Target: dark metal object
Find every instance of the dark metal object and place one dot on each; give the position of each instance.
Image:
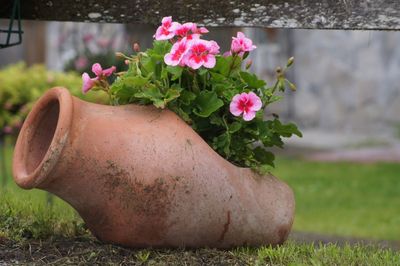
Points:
(15, 16)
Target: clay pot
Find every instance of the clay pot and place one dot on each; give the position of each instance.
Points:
(140, 176)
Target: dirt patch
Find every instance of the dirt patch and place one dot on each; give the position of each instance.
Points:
(91, 252)
(88, 251)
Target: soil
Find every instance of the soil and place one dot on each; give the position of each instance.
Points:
(89, 251)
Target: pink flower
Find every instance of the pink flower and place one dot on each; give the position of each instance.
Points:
(189, 30)
(201, 53)
(182, 30)
(246, 103)
(98, 70)
(87, 38)
(81, 62)
(214, 47)
(241, 44)
(7, 130)
(177, 53)
(167, 29)
(88, 83)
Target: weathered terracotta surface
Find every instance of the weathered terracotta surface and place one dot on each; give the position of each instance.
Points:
(141, 177)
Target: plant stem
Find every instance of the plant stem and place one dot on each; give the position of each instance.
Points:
(232, 64)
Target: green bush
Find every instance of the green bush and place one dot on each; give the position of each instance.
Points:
(21, 86)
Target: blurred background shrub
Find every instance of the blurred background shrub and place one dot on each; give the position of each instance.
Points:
(21, 86)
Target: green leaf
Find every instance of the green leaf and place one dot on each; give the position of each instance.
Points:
(137, 81)
(187, 97)
(263, 156)
(160, 48)
(216, 120)
(154, 95)
(286, 130)
(227, 65)
(216, 77)
(222, 143)
(252, 80)
(176, 71)
(164, 73)
(171, 94)
(148, 64)
(234, 127)
(202, 71)
(207, 102)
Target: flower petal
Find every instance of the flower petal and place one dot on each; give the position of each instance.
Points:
(234, 109)
(166, 21)
(169, 61)
(247, 116)
(97, 69)
(210, 61)
(256, 103)
(88, 83)
(107, 72)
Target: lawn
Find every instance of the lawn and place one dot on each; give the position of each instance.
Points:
(347, 199)
(343, 199)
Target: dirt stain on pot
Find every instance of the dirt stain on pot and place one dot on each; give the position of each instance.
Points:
(138, 211)
(226, 226)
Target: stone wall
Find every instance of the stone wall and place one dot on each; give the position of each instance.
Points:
(347, 80)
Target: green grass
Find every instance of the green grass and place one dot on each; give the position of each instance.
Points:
(28, 214)
(346, 199)
(309, 254)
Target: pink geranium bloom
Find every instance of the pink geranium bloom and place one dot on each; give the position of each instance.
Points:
(214, 47)
(87, 37)
(88, 83)
(81, 62)
(241, 44)
(245, 103)
(167, 29)
(98, 70)
(182, 30)
(177, 53)
(201, 53)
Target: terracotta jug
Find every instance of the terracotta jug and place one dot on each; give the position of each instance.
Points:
(140, 176)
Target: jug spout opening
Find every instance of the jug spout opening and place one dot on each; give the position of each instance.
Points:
(42, 138)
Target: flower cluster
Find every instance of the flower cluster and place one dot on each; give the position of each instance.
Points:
(214, 93)
(192, 51)
(188, 48)
(101, 76)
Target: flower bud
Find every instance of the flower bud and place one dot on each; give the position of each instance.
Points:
(279, 72)
(292, 86)
(136, 47)
(126, 62)
(290, 62)
(249, 63)
(118, 54)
